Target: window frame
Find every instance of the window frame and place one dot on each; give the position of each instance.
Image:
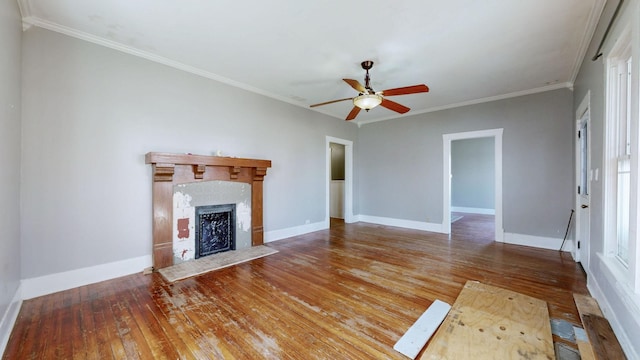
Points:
(628, 272)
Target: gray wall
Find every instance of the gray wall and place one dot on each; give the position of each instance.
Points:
(400, 162)
(10, 43)
(473, 173)
(591, 79)
(91, 113)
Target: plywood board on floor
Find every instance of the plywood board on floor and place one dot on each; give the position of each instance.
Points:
(487, 322)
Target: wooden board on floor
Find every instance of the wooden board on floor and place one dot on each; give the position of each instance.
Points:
(584, 346)
(420, 332)
(487, 322)
(603, 341)
(587, 305)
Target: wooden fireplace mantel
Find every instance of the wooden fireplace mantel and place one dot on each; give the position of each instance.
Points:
(173, 169)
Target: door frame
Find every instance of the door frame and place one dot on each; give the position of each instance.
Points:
(582, 254)
(348, 179)
(497, 153)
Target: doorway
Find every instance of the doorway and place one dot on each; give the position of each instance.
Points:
(346, 186)
(584, 176)
(336, 188)
(496, 135)
(472, 184)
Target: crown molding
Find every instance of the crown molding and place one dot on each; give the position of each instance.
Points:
(25, 8)
(592, 24)
(25, 12)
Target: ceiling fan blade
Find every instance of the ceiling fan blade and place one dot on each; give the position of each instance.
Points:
(330, 102)
(354, 112)
(356, 85)
(392, 105)
(406, 90)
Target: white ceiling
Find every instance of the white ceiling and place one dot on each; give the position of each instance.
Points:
(466, 51)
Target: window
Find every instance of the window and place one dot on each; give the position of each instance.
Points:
(620, 73)
(583, 136)
(619, 151)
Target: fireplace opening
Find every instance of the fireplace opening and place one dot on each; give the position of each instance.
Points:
(215, 230)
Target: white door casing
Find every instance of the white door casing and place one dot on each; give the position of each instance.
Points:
(348, 179)
(446, 202)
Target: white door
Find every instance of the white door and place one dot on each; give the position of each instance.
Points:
(584, 177)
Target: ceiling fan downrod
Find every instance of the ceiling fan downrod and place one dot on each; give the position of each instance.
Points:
(366, 65)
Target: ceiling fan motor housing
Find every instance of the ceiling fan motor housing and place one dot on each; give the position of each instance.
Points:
(367, 64)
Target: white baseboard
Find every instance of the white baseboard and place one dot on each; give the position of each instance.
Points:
(49, 284)
(471, 210)
(9, 319)
(537, 241)
(630, 308)
(275, 235)
(409, 224)
(509, 238)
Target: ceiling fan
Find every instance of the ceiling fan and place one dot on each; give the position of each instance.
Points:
(367, 98)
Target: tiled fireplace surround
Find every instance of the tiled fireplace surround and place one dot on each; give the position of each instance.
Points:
(174, 169)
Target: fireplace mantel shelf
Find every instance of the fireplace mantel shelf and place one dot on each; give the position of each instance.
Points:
(164, 164)
(174, 169)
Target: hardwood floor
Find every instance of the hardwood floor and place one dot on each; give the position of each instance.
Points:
(345, 293)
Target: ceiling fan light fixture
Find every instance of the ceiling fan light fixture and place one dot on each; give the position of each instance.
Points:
(367, 101)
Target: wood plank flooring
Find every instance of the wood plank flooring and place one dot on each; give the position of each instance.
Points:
(345, 293)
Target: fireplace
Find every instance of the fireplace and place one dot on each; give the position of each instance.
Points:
(181, 171)
(191, 200)
(215, 230)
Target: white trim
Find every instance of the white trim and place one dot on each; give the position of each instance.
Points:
(446, 174)
(630, 300)
(470, 210)
(25, 12)
(25, 8)
(275, 235)
(9, 319)
(408, 224)
(541, 242)
(348, 178)
(623, 47)
(566, 85)
(49, 284)
(592, 24)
